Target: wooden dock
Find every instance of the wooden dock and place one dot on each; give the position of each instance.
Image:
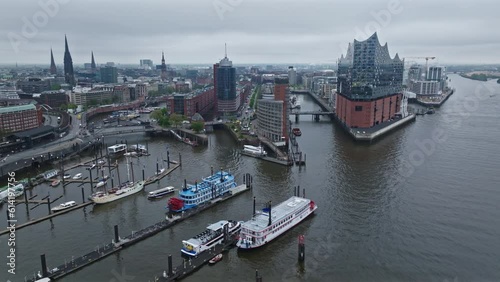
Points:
(269, 159)
(155, 178)
(120, 243)
(54, 214)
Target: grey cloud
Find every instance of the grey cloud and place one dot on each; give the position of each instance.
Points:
(257, 31)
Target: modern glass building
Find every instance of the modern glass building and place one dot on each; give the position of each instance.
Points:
(368, 72)
(225, 87)
(369, 84)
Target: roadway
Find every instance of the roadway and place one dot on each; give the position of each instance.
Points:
(11, 162)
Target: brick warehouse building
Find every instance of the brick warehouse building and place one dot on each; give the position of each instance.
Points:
(200, 101)
(20, 118)
(369, 84)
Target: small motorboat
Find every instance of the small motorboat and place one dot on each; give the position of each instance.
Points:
(296, 131)
(162, 170)
(100, 183)
(64, 206)
(91, 166)
(55, 183)
(77, 176)
(101, 162)
(67, 176)
(215, 259)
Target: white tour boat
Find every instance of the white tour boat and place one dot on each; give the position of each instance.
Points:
(212, 236)
(64, 206)
(117, 149)
(274, 221)
(160, 192)
(257, 151)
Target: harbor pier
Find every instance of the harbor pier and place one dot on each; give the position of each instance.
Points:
(115, 246)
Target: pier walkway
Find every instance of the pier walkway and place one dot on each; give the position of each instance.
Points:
(119, 243)
(54, 214)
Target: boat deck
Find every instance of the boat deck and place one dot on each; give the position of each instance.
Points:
(190, 265)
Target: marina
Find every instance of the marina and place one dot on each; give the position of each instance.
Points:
(119, 243)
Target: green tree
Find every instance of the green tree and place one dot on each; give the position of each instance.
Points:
(63, 107)
(157, 114)
(55, 87)
(72, 106)
(197, 126)
(92, 102)
(176, 119)
(164, 121)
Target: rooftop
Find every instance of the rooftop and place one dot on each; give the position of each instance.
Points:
(17, 108)
(42, 130)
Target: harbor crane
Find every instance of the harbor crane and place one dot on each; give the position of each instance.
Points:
(426, 61)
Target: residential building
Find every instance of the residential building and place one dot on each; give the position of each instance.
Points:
(95, 96)
(273, 111)
(369, 90)
(292, 76)
(200, 101)
(121, 93)
(20, 118)
(33, 85)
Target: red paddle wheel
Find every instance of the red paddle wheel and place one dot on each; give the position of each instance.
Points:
(311, 205)
(175, 204)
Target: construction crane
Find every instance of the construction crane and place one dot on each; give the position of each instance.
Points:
(426, 62)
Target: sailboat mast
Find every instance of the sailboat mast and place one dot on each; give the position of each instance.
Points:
(118, 172)
(132, 168)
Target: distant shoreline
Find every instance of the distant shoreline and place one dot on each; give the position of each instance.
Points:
(480, 76)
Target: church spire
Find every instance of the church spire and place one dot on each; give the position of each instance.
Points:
(68, 65)
(92, 61)
(163, 67)
(53, 69)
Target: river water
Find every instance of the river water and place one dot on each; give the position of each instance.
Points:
(421, 204)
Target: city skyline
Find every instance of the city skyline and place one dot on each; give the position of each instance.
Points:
(257, 32)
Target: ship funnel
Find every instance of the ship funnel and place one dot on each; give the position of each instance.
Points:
(221, 175)
(185, 185)
(196, 185)
(253, 206)
(270, 204)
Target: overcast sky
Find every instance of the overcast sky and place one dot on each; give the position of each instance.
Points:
(256, 31)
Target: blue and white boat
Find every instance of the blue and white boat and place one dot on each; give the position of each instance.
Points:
(211, 187)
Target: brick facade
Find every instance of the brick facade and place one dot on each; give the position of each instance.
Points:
(366, 114)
